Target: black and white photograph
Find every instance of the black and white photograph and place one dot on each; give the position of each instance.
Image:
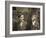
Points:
(25, 18)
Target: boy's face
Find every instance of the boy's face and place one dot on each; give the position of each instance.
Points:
(34, 20)
(21, 17)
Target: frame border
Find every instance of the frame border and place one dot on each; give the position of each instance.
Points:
(7, 16)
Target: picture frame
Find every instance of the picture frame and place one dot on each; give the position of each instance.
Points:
(22, 8)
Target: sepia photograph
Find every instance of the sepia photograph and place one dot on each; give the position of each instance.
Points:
(25, 18)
